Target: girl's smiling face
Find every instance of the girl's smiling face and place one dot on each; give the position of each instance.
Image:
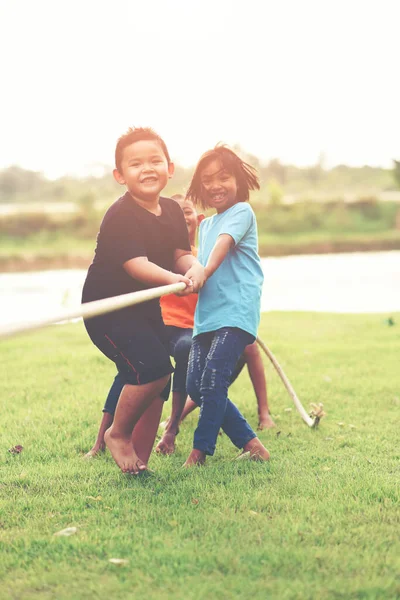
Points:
(219, 186)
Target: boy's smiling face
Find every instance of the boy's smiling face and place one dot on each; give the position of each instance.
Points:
(144, 170)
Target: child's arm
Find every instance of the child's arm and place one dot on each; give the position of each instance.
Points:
(221, 248)
(188, 265)
(148, 272)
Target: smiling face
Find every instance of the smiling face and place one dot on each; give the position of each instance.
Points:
(219, 186)
(191, 218)
(144, 170)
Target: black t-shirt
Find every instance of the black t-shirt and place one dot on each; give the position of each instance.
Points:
(130, 231)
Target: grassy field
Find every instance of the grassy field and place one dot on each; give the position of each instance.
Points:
(320, 521)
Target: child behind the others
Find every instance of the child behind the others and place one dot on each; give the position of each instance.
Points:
(228, 308)
(143, 242)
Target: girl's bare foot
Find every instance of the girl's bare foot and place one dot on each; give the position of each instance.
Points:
(265, 422)
(98, 447)
(123, 453)
(196, 457)
(166, 445)
(256, 449)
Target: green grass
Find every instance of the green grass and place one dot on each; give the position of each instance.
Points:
(317, 237)
(58, 250)
(34, 240)
(58, 243)
(46, 243)
(320, 521)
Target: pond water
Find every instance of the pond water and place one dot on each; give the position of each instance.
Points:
(338, 283)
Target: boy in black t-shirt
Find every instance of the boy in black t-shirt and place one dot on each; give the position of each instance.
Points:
(143, 242)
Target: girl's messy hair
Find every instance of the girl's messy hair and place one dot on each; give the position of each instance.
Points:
(245, 175)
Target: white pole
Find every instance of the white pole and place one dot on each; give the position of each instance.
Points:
(93, 309)
(106, 305)
(303, 413)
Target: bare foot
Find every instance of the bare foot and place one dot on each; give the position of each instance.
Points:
(123, 453)
(98, 447)
(256, 449)
(265, 422)
(196, 457)
(166, 445)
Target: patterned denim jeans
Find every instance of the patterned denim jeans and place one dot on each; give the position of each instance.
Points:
(212, 360)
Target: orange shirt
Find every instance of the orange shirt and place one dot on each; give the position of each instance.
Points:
(179, 310)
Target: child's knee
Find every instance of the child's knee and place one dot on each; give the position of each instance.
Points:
(214, 381)
(182, 349)
(251, 350)
(193, 390)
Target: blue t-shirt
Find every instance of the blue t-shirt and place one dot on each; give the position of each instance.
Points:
(231, 296)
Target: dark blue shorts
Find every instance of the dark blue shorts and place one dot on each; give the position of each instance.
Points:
(139, 346)
(180, 341)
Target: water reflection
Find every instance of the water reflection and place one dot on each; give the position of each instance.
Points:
(352, 283)
(339, 283)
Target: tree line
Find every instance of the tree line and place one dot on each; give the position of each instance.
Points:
(277, 179)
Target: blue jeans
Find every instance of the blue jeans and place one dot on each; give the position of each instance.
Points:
(212, 360)
(180, 342)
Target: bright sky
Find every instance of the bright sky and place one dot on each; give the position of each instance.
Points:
(282, 78)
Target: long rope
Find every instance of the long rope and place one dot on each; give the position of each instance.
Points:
(93, 309)
(106, 305)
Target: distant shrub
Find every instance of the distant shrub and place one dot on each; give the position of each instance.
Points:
(80, 225)
(275, 193)
(310, 214)
(23, 225)
(335, 216)
(86, 202)
(368, 206)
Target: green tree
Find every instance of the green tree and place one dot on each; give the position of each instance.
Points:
(275, 170)
(15, 181)
(396, 172)
(275, 192)
(86, 203)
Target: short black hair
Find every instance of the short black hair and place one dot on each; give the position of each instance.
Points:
(137, 134)
(178, 197)
(245, 175)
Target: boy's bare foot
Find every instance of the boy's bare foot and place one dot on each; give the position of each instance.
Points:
(256, 449)
(166, 445)
(98, 447)
(123, 453)
(265, 422)
(196, 457)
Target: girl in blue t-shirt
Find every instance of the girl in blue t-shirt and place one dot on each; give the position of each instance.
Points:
(228, 308)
